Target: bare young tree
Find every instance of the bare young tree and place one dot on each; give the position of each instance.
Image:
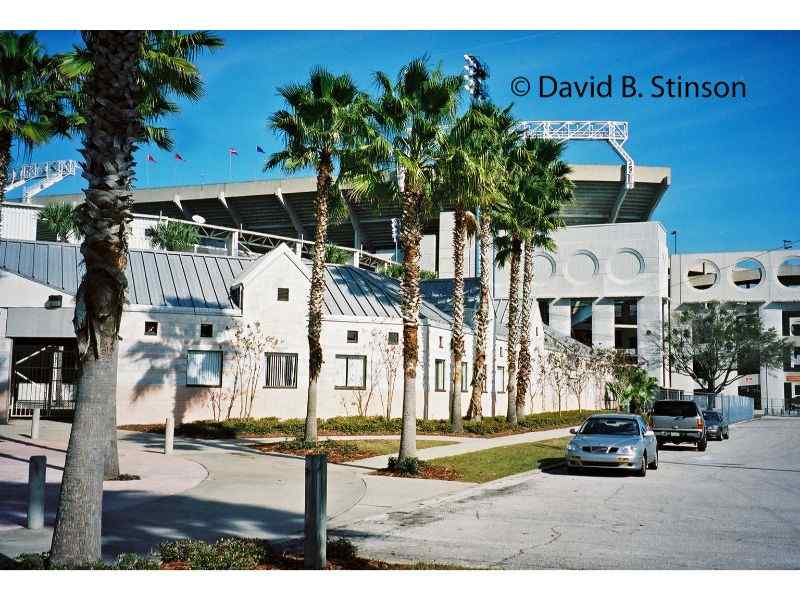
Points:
(247, 344)
(558, 374)
(390, 357)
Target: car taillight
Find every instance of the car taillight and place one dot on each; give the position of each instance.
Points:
(699, 423)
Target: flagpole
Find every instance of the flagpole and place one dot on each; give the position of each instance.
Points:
(230, 160)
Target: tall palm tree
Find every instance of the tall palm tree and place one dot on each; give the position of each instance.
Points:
(112, 126)
(411, 118)
(31, 98)
(466, 175)
(166, 72)
(499, 139)
(549, 188)
(324, 117)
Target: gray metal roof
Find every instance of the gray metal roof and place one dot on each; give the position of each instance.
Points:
(440, 293)
(351, 291)
(203, 281)
(155, 277)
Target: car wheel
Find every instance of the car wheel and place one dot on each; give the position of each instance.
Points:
(643, 468)
(572, 470)
(659, 444)
(727, 435)
(701, 445)
(654, 465)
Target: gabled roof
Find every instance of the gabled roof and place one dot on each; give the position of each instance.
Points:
(440, 293)
(155, 277)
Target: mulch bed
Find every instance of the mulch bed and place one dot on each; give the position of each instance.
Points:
(335, 455)
(427, 471)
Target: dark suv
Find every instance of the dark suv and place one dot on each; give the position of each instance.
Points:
(678, 421)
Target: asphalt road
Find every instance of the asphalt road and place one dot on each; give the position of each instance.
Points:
(735, 506)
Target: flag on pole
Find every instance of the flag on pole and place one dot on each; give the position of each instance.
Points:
(260, 149)
(233, 152)
(150, 158)
(179, 157)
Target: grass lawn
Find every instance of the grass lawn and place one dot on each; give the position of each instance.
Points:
(347, 450)
(494, 463)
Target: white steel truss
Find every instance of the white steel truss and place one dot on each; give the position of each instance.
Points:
(45, 174)
(613, 132)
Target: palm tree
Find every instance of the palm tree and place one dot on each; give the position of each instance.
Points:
(173, 236)
(166, 72)
(465, 176)
(31, 98)
(59, 219)
(549, 188)
(324, 116)
(112, 126)
(411, 118)
(499, 139)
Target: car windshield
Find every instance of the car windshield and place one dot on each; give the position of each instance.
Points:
(711, 417)
(672, 408)
(610, 427)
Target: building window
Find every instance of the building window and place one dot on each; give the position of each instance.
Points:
(464, 383)
(352, 336)
(394, 338)
(281, 370)
(351, 372)
(501, 351)
(206, 330)
(441, 342)
(501, 380)
(439, 375)
(544, 310)
(283, 294)
(151, 328)
(204, 368)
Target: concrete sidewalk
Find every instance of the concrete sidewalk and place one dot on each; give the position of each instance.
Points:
(239, 491)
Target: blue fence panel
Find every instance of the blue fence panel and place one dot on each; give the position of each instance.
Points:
(733, 408)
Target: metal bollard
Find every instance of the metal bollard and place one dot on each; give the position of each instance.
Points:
(37, 414)
(37, 468)
(316, 518)
(169, 435)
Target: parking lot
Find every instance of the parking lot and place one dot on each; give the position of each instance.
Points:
(734, 506)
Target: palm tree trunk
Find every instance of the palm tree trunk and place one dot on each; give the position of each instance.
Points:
(112, 126)
(5, 162)
(315, 296)
(481, 322)
(524, 375)
(513, 331)
(457, 339)
(411, 234)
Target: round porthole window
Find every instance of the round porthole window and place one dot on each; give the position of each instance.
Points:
(789, 272)
(747, 273)
(702, 274)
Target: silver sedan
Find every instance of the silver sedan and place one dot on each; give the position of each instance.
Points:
(615, 440)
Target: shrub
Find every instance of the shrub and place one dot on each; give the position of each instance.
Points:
(410, 465)
(341, 549)
(225, 553)
(134, 562)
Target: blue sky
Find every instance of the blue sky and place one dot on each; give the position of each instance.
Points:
(734, 176)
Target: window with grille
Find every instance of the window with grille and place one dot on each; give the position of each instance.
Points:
(464, 382)
(439, 375)
(280, 370)
(283, 294)
(351, 372)
(394, 338)
(204, 368)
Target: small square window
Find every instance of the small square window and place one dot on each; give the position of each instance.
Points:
(283, 294)
(394, 338)
(206, 330)
(151, 328)
(352, 336)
